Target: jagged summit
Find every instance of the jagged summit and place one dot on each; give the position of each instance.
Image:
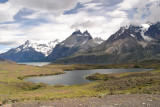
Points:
(78, 41)
(27, 42)
(86, 33)
(77, 32)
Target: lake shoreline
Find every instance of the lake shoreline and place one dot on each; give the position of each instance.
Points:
(77, 76)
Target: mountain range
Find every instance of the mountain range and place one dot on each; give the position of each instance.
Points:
(35, 52)
(129, 44)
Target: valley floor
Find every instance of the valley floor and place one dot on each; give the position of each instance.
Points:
(106, 92)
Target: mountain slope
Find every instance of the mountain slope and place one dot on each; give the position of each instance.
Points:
(1, 59)
(29, 52)
(128, 44)
(77, 42)
(154, 31)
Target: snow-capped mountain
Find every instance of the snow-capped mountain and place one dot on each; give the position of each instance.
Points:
(30, 51)
(45, 49)
(77, 42)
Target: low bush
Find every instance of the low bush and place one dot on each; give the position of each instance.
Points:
(27, 86)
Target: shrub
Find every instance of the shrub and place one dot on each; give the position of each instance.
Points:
(29, 86)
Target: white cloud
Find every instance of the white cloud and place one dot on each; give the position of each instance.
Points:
(48, 5)
(127, 4)
(7, 11)
(93, 6)
(48, 32)
(9, 34)
(117, 13)
(62, 26)
(154, 10)
(145, 11)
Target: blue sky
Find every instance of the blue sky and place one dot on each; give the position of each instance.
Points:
(3, 1)
(48, 20)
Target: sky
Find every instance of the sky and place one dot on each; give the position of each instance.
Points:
(47, 20)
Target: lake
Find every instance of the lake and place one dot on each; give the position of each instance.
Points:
(35, 63)
(77, 76)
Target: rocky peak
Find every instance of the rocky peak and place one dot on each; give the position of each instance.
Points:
(27, 42)
(87, 34)
(78, 32)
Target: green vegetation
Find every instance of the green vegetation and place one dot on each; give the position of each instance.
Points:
(98, 76)
(139, 82)
(14, 89)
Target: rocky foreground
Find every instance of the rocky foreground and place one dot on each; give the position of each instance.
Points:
(135, 100)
